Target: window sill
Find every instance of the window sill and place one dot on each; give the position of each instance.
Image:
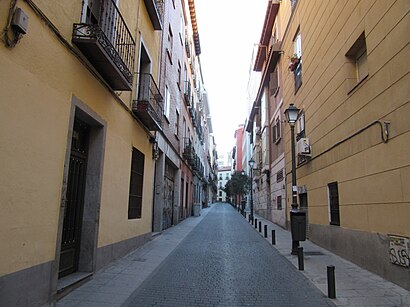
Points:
(356, 85)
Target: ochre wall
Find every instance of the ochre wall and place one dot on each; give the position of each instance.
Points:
(372, 177)
(39, 77)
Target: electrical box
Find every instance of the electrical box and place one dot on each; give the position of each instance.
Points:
(303, 147)
(298, 225)
(20, 21)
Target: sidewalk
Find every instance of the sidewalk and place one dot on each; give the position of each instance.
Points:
(354, 286)
(113, 285)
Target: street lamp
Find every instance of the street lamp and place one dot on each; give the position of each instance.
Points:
(296, 217)
(251, 164)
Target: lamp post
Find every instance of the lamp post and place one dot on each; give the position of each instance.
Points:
(251, 164)
(291, 114)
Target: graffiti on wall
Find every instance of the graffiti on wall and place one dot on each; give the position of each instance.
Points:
(399, 248)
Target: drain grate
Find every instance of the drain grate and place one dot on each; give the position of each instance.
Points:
(313, 253)
(139, 259)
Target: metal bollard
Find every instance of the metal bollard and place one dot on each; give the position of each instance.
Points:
(331, 283)
(273, 237)
(260, 226)
(300, 259)
(265, 232)
(256, 223)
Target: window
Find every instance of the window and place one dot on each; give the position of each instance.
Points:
(279, 202)
(297, 44)
(357, 62)
(220, 193)
(176, 123)
(279, 176)
(273, 83)
(334, 203)
(181, 29)
(301, 133)
(276, 131)
(179, 75)
(170, 43)
(300, 125)
(136, 182)
(167, 102)
(293, 4)
(297, 49)
(183, 128)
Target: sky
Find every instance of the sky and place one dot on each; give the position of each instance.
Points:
(228, 30)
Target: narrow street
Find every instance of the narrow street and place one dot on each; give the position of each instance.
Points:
(225, 262)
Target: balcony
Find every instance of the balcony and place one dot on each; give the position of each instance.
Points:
(192, 112)
(187, 93)
(200, 131)
(149, 105)
(108, 45)
(189, 152)
(187, 48)
(155, 12)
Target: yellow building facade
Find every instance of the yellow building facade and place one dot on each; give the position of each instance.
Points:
(350, 81)
(66, 116)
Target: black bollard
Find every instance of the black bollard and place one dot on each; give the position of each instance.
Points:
(265, 232)
(300, 259)
(249, 218)
(256, 223)
(260, 226)
(273, 237)
(331, 283)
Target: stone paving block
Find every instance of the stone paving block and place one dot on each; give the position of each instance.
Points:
(136, 269)
(225, 253)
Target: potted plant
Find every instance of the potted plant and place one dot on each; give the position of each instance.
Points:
(294, 62)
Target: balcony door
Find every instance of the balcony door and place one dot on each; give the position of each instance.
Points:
(103, 13)
(144, 79)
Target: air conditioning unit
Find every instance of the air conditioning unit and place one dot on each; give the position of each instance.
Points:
(303, 147)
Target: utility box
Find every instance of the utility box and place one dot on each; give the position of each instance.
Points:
(20, 21)
(298, 225)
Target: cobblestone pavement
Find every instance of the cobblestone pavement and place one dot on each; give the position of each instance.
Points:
(224, 262)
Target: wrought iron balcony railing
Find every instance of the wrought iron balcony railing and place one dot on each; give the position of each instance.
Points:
(149, 104)
(109, 46)
(189, 152)
(187, 92)
(192, 112)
